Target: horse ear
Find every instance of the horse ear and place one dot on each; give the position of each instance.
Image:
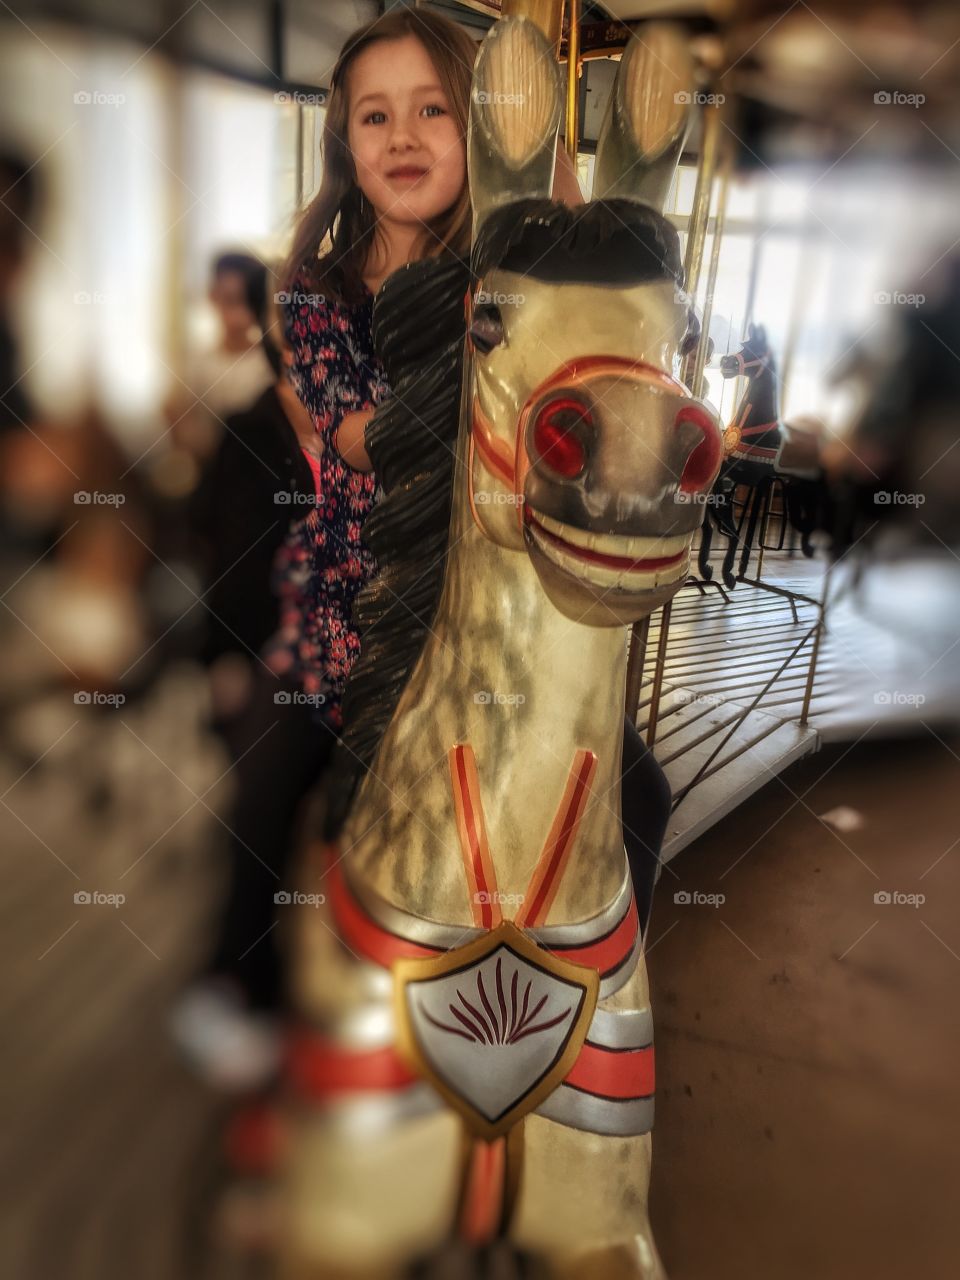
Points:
(692, 336)
(514, 117)
(647, 117)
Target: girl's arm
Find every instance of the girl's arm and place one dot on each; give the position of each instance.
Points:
(348, 439)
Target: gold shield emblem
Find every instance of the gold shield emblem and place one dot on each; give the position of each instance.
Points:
(731, 438)
(494, 1025)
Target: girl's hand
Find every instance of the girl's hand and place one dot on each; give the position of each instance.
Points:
(348, 440)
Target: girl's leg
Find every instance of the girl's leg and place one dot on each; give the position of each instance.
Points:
(645, 805)
(280, 752)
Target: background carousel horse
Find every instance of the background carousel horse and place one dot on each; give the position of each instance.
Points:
(475, 1055)
(765, 457)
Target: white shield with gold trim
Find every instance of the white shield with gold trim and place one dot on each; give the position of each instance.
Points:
(494, 1025)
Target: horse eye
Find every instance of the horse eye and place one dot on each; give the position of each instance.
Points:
(486, 330)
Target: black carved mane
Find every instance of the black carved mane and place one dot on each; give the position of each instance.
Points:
(418, 333)
(616, 242)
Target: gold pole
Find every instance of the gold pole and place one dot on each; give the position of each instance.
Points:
(573, 82)
(815, 650)
(636, 661)
(658, 673)
(719, 221)
(700, 214)
(547, 14)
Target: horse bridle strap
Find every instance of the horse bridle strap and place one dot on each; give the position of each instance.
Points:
(609, 952)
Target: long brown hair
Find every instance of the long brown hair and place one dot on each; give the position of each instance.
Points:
(337, 210)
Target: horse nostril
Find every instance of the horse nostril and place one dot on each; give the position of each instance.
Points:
(558, 432)
(703, 463)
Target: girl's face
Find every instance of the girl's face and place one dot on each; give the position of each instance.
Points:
(410, 157)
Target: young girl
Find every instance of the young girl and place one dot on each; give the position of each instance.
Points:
(394, 189)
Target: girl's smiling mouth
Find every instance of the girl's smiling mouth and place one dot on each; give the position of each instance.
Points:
(407, 173)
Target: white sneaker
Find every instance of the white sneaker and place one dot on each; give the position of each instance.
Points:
(229, 1046)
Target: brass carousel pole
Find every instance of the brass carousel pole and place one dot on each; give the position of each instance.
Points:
(693, 262)
(572, 133)
(699, 217)
(719, 222)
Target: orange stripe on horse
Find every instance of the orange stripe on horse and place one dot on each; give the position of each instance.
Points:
(477, 862)
(483, 1196)
(552, 862)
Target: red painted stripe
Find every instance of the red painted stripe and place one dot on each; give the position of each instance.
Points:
(567, 831)
(318, 1067)
(486, 910)
(362, 934)
(483, 1199)
(582, 367)
(491, 449)
(748, 451)
(602, 557)
(609, 1073)
(606, 953)
(369, 939)
(759, 429)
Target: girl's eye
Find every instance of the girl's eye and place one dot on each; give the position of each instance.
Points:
(375, 117)
(435, 110)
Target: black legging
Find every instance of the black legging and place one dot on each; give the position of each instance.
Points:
(280, 751)
(645, 803)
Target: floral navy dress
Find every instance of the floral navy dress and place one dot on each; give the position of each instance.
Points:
(324, 563)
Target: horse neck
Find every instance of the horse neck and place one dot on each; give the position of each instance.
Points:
(504, 672)
(760, 401)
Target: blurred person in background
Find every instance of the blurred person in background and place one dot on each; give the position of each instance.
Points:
(17, 201)
(229, 376)
(264, 473)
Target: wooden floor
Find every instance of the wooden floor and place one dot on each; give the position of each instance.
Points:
(110, 1149)
(807, 1036)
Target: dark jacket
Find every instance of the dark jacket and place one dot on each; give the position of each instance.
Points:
(241, 522)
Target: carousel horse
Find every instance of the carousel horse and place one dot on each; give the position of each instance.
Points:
(473, 1063)
(764, 458)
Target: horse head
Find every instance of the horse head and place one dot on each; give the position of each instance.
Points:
(752, 358)
(586, 452)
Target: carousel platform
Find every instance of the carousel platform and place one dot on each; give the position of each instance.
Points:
(743, 694)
